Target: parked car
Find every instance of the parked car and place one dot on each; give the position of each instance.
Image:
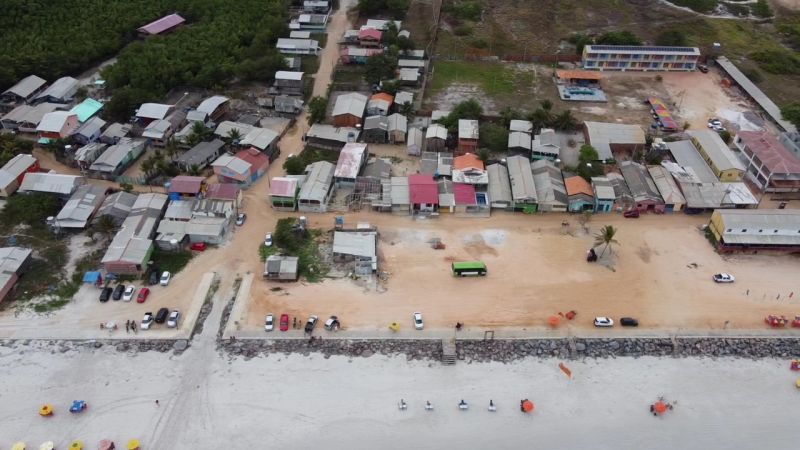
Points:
(240, 219)
(268, 240)
(724, 278)
(118, 291)
(143, 293)
(153, 278)
(199, 246)
(147, 321)
(702, 68)
(173, 319)
(418, 323)
(311, 323)
(269, 323)
(631, 214)
(161, 315)
(165, 277)
(128, 294)
(284, 322)
(603, 322)
(105, 294)
(332, 323)
(628, 322)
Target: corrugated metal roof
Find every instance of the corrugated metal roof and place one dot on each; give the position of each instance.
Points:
(360, 244)
(688, 157)
(163, 24)
(351, 103)
(91, 127)
(81, 206)
(153, 111)
(286, 75)
(398, 122)
(400, 191)
(179, 210)
(603, 189)
(518, 139)
(283, 187)
(54, 183)
(297, 44)
(638, 180)
(26, 86)
(603, 134)
(717, 150)
(423, 189)
(468, 129)
(523, 187)
(549, 182)
(666, 185)
(53, 122)
(499, 183)
(211, 104)
(319, 177)
(757, 94)
(760, 226)
(157, 129)
(116, 154)
(633, 49)
(350, 159)
(775, 157)
(86, 109)
(233, 164)
(260, 138)
(200, 153)
(331, 133)
(17, 165)
(184, 184)
(436, 131)
(523, 126)
(63, 89)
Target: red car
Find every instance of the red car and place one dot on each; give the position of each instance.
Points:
(199, 246)
(284, 322)
(143, 293)
(631, 213)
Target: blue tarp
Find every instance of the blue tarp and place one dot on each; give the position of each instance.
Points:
(92, 277)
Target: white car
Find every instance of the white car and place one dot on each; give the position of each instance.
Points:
(174, 318)
(128, 294)
(603, 322)
(147, 321)
(240, 219)
(269, 323)
(268, 240)
(724, 278)
(714, 123)
(418, 323)
(165, 277)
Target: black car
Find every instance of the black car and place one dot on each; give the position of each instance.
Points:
(311, 323)
(106, 294)
(161, 315)
(154, 276)
(628, 322)
(118, 292)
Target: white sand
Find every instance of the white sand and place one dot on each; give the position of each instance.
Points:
(208, 401)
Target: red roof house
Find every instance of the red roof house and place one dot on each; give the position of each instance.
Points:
(423, 191)
(184, 185)
(769, 164)
(464, 194)
(370, 37)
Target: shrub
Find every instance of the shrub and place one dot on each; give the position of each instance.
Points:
(762, 9)
(777, 61)
(672, 37)
(479, 43)
(462, 30)
(466, 10)
(753, 74)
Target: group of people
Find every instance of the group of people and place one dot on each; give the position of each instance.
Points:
(130, 325)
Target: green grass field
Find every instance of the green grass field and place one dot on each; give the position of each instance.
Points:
(494, 78)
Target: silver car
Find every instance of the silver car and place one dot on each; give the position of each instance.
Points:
(174, 318)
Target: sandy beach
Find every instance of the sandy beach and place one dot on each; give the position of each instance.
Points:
(209, 401)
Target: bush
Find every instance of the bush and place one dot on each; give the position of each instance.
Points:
(672, 38)
(397, 8)
(781, 62)
(762, 9)
(579, 40)
(462, 30)
(791, 112)
(753, 74)
(466, 10)
(737, 10)
(32, 209)
(468, 109)
(479, 43)
(619, 38)
(493, 137)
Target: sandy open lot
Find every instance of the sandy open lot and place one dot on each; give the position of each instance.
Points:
(208, 401)
(536, 269)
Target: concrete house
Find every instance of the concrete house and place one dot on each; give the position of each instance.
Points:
(281, 268)
(244, 168)
(550, 186)
(725, 165)
(640, 57)
(57, 125)
(668, 188)
(357, 55)
(61, 91)
(283, 193)
(468, 132)
(435, 138)
(469, 169)
(375, 129)
(580, 195)
(742, 230)
(352, 158)
(185, 186)
(770, 165)
(524, 195)
(201, 155)
(158, 132)
(369, 37)
(13, 172)
(132, 246)
(499, 187)
(423, 192)
(90, 131)
(24, 91)
(643, 188)
(317, 188)
(348, 111)
(604, 196)
(117, 158)
(546, 145)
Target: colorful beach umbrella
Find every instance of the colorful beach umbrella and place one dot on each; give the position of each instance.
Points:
(553, 321)
(527, 405)
(133, 444)
(660, 407)
(46, 410)
(76, 445)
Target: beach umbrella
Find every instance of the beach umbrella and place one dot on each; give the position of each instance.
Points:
(527, 405)
(105, 444)
(394, 326)
(553, 321)
(18, 446)
(660, 407)
(76, 445)
(46, 410)
(47, 446)
(133, 444)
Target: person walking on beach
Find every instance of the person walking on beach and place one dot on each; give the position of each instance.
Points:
(157, 404)
(127, 326)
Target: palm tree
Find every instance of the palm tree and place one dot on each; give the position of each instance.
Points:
(201, 131)
(147, 167)
(171, 148)
(105, 225)
(539, 118)
(234, 134)
(546, 105)
(605, 237)
(565, 121)
(483, 154)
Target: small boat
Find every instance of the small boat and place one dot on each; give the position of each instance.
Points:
(462, 405)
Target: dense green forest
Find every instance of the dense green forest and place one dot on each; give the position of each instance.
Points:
(223, 40)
